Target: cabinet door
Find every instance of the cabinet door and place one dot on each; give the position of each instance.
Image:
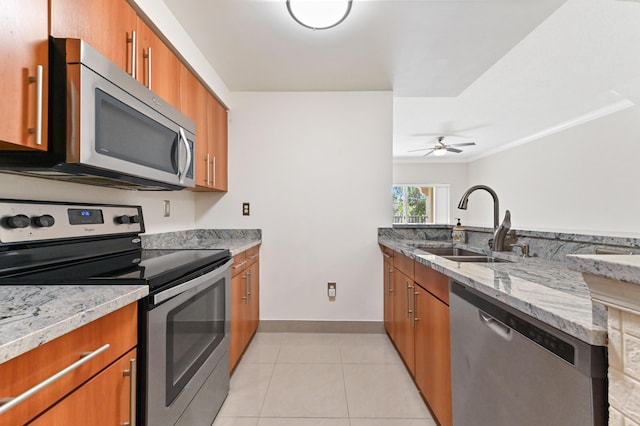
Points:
(403, 317)
(106, 25)
(193, 104)
(106, 399)
(217, 135)
(388, 296)
(433, 364)
(23, 47)
(253, 313)
(158, 67)
(238, 309)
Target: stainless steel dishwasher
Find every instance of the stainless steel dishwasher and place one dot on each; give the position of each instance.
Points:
(509, 369)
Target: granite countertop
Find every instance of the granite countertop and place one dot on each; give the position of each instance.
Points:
(544, 289)
(620, 267)
(33, 315)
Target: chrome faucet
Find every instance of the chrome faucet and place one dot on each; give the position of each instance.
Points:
(499, 231)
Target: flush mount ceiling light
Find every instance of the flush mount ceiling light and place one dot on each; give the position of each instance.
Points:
(319, 14)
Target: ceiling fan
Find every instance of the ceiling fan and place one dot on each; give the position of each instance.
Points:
(441, 148)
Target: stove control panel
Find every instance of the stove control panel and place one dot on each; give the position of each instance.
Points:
(28, 221)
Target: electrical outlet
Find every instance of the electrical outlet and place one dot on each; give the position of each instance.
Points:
(167, 208)
(245, 209)
(331, 290)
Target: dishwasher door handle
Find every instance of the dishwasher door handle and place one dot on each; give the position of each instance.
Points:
(496, 326)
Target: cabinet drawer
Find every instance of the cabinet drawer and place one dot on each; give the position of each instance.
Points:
(239, 263)
(387, 253)
(252, 255)
(105, 399)
(117, 329)
(404, 264)
(432, 281)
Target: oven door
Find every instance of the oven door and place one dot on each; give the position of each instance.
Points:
(188, 350)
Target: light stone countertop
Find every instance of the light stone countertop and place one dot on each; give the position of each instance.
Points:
(543, 289)
(620, 267)
(33, 315)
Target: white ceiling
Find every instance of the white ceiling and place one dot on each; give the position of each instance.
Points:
(497, 72)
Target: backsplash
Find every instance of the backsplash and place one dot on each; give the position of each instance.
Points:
(546, 245)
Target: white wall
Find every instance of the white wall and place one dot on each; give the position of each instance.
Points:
(182, 202)
(454, 174)
(316, 168)
(583, 179)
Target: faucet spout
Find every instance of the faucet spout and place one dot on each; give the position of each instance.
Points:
(496, 205)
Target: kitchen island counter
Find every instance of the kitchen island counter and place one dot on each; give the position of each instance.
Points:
(543, 289)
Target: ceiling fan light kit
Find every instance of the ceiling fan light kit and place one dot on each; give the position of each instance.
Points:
(319, 14)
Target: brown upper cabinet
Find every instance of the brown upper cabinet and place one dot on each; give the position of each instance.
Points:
(211, 132)
(157, 67)
(107, 25)
(23, 74)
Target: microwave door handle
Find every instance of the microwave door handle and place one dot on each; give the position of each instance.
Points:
(183, 173)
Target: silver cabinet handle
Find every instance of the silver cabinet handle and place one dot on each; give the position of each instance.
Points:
(386, 255)
(134, 48)
(133, 373)
(206, 164)
(9, 403)
(248, 286)
(409, 310)
(239, 265)
(390, 271)
(415, 311)
(253, 257)
(245, 277)
(147, 56)
(39, 81)
(213, 166)
(187, 162)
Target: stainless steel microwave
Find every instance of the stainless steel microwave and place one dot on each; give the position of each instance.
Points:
(106, 128)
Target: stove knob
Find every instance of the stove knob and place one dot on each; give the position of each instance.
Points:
(18, 221)
(44, 221)
(134, 219)
(122, 219)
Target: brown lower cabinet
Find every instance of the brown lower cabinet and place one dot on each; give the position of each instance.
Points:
(97, 391)
(245, 302)
(419, 329)
(105, 399)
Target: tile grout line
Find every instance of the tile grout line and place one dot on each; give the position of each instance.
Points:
(264, 399)
(344, 384)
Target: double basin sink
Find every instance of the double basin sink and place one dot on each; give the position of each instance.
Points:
(460, 255)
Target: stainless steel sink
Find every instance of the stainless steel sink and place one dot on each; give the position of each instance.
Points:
(460, 255)
(450, 251)
(476, 259)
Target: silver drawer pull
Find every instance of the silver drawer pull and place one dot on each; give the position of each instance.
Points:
(9, 403)
(239, 265)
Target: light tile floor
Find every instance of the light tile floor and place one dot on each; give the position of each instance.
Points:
(316, 379)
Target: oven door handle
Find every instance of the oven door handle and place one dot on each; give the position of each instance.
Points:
(174, 291)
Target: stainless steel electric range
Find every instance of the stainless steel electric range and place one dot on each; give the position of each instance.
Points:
(183, 372)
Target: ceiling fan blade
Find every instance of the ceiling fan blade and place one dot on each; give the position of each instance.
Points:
(421, 149)
(430, 151)
(456, 150)
(463, 144)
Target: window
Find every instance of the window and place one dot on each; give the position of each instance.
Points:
(420, 204)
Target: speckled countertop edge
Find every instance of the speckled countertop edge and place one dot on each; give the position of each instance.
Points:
(620, 267)
(545, 290)
(31, 316)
